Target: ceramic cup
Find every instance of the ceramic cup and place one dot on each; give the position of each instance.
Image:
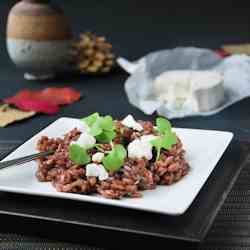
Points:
(38, 38)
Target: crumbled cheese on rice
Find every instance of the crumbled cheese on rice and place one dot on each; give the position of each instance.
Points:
(96, 170)
(141, 148)
(130, 122)
(148, 138)
(85, 140)
(98, 157)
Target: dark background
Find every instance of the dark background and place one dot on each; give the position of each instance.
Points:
(135, 28)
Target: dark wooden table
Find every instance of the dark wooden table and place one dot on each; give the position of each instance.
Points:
(135, 28)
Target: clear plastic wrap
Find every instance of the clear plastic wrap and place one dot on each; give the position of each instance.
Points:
(139, 86)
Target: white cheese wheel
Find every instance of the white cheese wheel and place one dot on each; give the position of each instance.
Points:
(193, 89)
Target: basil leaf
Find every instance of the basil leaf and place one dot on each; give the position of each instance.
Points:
(163, 125)
(106, 136)
(106, 123)
(165, 141)
(168, 140)
(95, 129)
(120, 150)
(78, 155)
(91, 119)
(102, 128)
(115, 159)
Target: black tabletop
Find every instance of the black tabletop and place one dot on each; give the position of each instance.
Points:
(134, 28)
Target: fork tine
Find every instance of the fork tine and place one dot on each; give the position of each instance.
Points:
(24, 159)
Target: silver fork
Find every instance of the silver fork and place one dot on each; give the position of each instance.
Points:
(25, 159)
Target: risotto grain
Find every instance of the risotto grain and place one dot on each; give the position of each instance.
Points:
(135, 176)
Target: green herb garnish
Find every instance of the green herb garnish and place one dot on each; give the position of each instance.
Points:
(166, 139)
(95, 129)
(106, 136)
(78, 154)
(106, 123)
(101, 127)
(91, 119)
(163, 125)
(115, 159)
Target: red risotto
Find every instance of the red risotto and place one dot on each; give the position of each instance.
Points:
(113, 158)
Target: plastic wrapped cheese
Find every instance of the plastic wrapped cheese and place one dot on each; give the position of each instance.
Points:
(140, 87)
(190, 89)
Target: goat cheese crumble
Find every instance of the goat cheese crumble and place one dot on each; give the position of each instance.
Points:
(141, 148)
(85, 140)
(130, 122)
(148, 138)
(98, 157)
(96, 170)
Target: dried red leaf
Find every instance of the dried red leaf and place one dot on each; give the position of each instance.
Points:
(27, 104)
(60, 96)
(222, 53)
(45, 101)
(24, 94)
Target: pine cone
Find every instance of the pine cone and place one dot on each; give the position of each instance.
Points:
(93, 54)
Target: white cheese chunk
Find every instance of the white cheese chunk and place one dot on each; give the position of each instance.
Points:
(148, 138)
(140, 149)
(96, 170)
(98, 157)
(130, 122)
(85, 140)
(190, 89)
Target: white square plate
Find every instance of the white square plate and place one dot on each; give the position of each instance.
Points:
(203, 148)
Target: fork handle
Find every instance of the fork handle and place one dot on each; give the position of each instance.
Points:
(22, 160)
